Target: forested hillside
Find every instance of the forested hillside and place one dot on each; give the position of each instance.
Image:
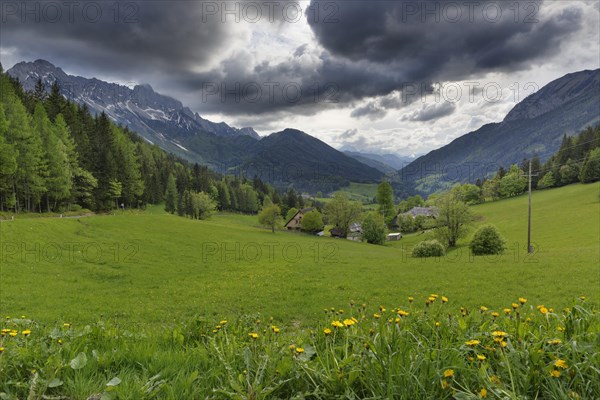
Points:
(57, 156)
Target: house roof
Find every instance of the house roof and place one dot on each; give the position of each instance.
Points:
(336, 232)
(303, 211)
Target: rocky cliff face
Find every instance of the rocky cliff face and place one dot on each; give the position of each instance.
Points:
(159, 119)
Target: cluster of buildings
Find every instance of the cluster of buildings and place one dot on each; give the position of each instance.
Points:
(355, 229)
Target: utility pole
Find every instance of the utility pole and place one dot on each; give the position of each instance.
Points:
(529, 248)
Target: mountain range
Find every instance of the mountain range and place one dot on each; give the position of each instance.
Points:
(282, 158)
(534, 127)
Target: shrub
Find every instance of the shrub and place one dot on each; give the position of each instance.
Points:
(312, 222)
(428, 248)
(487, 240)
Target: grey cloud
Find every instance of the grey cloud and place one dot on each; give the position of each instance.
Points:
(134, 38)
(300, 50)
(394, 34)
(431, 112)
(369, 50)
(369, 110)
(348, 134)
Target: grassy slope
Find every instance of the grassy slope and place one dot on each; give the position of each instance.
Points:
(172, 276)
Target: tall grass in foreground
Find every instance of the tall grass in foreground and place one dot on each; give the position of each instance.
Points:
(430, 351)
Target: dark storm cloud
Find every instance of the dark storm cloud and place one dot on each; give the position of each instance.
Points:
(431, 40)
(131, 37)
(431, 112)
(377, 48)
(369, 49)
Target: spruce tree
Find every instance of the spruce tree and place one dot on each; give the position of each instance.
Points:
(171, 200)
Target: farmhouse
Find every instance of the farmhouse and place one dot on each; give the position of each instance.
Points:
(295, 223)
(354, 232)
(336, 232)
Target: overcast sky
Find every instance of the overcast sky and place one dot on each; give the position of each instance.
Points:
(399, 77)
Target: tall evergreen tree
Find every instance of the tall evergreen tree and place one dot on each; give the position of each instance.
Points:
(171, 199)
(58, 177)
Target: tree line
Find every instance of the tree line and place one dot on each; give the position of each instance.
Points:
(577, 160)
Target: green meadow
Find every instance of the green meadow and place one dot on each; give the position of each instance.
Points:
(151, 267)
(146, 305)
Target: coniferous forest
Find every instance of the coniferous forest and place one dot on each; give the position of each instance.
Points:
(56, 156)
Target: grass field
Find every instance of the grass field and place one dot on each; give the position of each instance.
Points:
(145, 305)
(361, 192)
(150, 267)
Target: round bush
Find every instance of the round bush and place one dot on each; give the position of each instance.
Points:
(487, 240)
(428, 248)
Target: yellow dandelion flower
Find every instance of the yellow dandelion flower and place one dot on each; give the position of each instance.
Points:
(499, 334)
(26, 332)
(507, 311)
(504, 343)
(410, 299)
(444, 384)
(449, 373)
(337, 324)
(376, 315)
(444, 299)
(554, 341)
(481, 357)
(253, 335)
(13, 333)
(215, 331)
(1, 349)
(522, 300)
(275, 329)
(472, 342)
(582, 298)
(483, 393)
(437, 324)
(66, 325)
(327, 331)
(543, 310)
(403, 313)
(560, 364)
(299, 350)
(223, 322)
(555, 373)
(495, 314)
(349, 322)
(483, 308)
(560, 328)
(515, 306)
(382, 309)
(431, 299)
